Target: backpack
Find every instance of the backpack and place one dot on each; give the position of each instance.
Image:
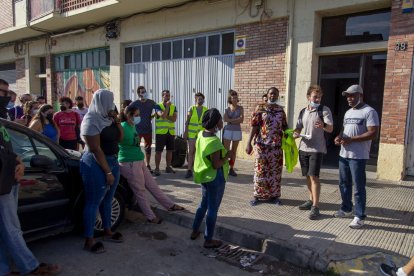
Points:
(319, 110)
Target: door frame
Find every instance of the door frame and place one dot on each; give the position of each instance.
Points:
(409, 131)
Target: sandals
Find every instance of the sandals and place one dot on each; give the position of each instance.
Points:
(116, 237)
(254, 202)
(195, 235)
(155, 220)
(213, 244)
(46, 269)
(96, 248)
(176, 207)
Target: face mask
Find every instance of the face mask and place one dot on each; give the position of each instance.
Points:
(80, 105)
(34, 111)
(144, 95)
(314, 105)
(274, 102)
(10, 105)
(63, 108)
(137, 120)
(200, 101)
(3, 103)
(49, 117)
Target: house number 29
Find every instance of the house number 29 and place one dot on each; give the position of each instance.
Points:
(401, 46)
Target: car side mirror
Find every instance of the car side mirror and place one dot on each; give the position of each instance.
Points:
(41, 162)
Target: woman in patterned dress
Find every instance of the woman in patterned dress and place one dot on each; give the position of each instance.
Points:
(268, 123)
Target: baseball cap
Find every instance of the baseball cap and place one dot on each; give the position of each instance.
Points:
(356, 88)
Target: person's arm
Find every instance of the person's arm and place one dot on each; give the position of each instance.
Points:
(238, 120)
(226, 118)
(252, 135)
(217, 161)
(367, 136)
(121, 131)
(19, 170)
(36, 125)
(94, 146)
(187, 122)
(284, 122)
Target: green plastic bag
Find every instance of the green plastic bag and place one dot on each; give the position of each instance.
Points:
(290, 150)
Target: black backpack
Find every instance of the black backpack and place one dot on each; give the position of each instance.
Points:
(319, 110)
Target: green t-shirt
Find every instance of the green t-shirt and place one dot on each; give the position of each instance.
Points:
(203, 167)
(129, 149)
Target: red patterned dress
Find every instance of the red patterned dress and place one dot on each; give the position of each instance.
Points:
(271, 121)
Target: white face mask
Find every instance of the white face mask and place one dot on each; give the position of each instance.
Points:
(274, 102)
(314, 105)
(137, 120)
(144, 95)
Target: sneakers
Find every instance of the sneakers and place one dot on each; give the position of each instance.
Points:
(307, 205)
(388, 270)
(314, 213)
(232, 172)
(189, 174)
(356, 223)
(149, 168)
(169, 170)
(342, 214)
(157, 172)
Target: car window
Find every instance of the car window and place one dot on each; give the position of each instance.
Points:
(22, 146)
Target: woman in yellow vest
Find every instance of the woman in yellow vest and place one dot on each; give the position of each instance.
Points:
(192, 128)
(211, 169)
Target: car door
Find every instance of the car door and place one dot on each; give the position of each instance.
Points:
(43, 199)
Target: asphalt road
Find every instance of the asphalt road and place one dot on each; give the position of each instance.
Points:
(148, 249)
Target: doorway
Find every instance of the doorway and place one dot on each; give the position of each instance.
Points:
(336, 74)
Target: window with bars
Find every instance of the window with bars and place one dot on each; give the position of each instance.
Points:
(192, 47)
(81, 60)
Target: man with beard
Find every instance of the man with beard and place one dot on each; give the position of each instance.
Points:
(359, 129)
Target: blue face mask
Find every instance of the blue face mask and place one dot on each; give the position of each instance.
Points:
(314, 105)
(10, 105)
(137, 120)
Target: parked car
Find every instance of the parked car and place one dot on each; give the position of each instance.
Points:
(51, 191)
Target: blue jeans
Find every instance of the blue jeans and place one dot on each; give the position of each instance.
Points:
(212, 194)
(12, 243)
(98, 195)
(353, 171)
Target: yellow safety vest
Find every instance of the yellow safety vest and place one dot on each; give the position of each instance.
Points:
(163, 126)
(194, 127)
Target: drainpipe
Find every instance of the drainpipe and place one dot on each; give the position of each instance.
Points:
(289, 60)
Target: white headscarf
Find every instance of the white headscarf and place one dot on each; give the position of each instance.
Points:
(97, 117)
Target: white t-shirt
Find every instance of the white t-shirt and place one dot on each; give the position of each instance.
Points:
(82, 112)
(356, 122)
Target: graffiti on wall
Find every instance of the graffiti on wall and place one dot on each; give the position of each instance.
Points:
(83, 83)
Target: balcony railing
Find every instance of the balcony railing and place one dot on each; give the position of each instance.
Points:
(40, 8)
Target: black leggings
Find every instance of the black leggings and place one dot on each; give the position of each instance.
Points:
(69, 144)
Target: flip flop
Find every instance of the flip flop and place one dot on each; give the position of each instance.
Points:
(46, 269)
(116, 237)
(96, 248)
(176, 207)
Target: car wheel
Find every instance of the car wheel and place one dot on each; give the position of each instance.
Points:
(117, 214)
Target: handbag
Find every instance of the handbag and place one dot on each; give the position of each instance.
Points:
(8, 163)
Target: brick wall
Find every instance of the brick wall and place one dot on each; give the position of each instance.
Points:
(21, 76)
(397, 77)
(263, 65)
(6, 14)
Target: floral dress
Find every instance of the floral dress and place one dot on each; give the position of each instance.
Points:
(271, 121)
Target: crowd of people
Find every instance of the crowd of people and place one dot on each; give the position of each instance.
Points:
(111, 148)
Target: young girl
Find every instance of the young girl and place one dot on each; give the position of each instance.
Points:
(131, 161)
(43, 122)
(211, 169)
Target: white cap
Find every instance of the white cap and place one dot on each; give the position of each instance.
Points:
(356, 88)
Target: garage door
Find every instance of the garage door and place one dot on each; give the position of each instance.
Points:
(8, 73)
(202, 63)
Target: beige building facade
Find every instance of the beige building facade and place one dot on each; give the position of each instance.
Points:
(290, 44)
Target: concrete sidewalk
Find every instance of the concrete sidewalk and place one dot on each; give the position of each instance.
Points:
(287, 233)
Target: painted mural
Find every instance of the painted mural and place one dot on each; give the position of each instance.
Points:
(73, 83)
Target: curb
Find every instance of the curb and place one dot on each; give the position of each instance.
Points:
(295, 254)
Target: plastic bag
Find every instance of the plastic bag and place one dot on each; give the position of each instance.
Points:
(290, 150)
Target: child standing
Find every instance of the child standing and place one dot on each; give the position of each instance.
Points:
(211, 169)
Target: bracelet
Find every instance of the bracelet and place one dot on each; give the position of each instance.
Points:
(109, 173)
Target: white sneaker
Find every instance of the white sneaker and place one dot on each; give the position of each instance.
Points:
(356, 223)
(342, 214)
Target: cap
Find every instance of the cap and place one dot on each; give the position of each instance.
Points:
(356, 88)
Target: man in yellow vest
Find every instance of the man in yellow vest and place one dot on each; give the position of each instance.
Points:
(193, 126)
(164, 131)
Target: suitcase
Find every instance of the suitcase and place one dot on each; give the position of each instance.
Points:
(180, 152)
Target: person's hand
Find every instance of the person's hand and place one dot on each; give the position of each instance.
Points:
(110, 179)
(346, 141)
(19, 170)
(319, 124)
(338, 140)
(185, 135)
(249, 149)
(168, 103)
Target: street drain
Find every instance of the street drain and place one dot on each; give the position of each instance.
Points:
(236, 255)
